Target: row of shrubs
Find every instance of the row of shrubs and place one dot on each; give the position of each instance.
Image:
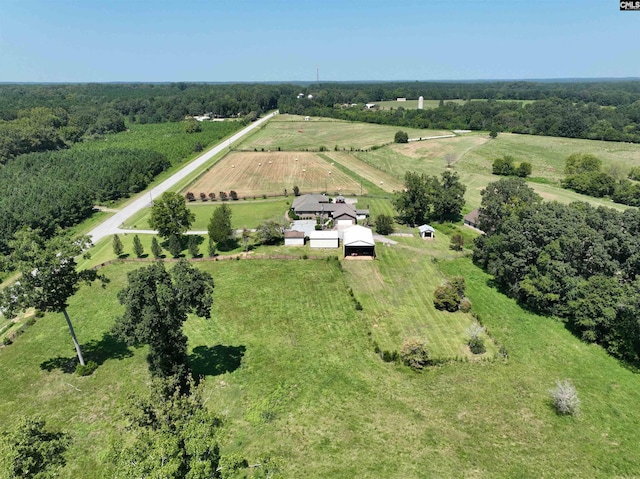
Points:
(222, 195)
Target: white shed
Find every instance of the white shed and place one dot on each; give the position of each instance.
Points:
(294, 238)
(427, 232)
(324, 239)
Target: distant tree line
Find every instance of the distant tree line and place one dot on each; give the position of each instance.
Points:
(59, 189)
(574, 261)
(549, 117)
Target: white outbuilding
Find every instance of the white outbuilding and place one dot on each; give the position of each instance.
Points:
(358, 242)
(324, 239)
(427, 232)
(294, 238)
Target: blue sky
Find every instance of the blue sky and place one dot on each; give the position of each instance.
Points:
(277, 40)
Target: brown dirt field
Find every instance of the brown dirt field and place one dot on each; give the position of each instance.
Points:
(269, 173)
(457, 147)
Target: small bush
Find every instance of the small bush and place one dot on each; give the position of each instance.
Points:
(358, 305)
(6, 341)
(414, 354)
(565, 398)
(465, 305)
(476, 345)
(389, 356)
(446, 298)
(30, 321)
(456, 243)
(87, 369)
(39, 314)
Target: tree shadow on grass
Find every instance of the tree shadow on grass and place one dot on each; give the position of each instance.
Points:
(99, 351)
(215, 360)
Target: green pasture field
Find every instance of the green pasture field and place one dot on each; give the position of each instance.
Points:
(310, 391)
(472, 156)
(168, 138)
(244, 213)
(290, 132)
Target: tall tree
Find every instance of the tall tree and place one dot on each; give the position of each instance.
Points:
(156, 305)
(501, 198)
(170, 215)
(48, 275)
(118, 249)
(449, 198)
(169, 434)
(138, 249)
(156, 249)
(32, 452)
(220, 224)
(415, 202)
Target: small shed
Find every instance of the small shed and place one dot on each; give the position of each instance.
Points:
(427, 232)
(358, 242)
(307, 118)
(294, 238)
(471, 219)
(324, 239)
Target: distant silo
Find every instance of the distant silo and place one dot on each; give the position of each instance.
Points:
(420, 103)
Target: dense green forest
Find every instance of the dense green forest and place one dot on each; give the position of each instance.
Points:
(574, 261)
(51, 189)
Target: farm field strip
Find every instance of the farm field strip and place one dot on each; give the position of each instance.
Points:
(257, 173)
(378, 177)
(290, 132)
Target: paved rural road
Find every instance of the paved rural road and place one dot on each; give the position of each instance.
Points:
(112, 225)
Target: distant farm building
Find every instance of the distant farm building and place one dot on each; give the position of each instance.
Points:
(358, 242)
(307, 118)
(471, 219)
(371, 106)
(427, 232)
(293, 238)
(401, 99)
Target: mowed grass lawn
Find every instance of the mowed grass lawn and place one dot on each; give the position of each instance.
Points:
(244, 213)
(290, 132)
(309, 391)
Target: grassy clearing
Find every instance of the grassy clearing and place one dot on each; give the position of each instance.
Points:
(400, 305)
(290, 132)
(310, 391)
(244, 214)
(257, 173)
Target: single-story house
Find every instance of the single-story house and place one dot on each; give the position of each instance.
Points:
(471, 219)
(427, 232)
(344, 214)
(324, 239)
(358, 241)
(294, 238)
(312, 205)
(362, 214)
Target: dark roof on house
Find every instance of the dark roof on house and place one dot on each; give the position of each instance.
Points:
(472, 217)
(294, 234)
(312, 204)
(343, 209)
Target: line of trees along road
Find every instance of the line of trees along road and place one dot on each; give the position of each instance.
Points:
(574, 261)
